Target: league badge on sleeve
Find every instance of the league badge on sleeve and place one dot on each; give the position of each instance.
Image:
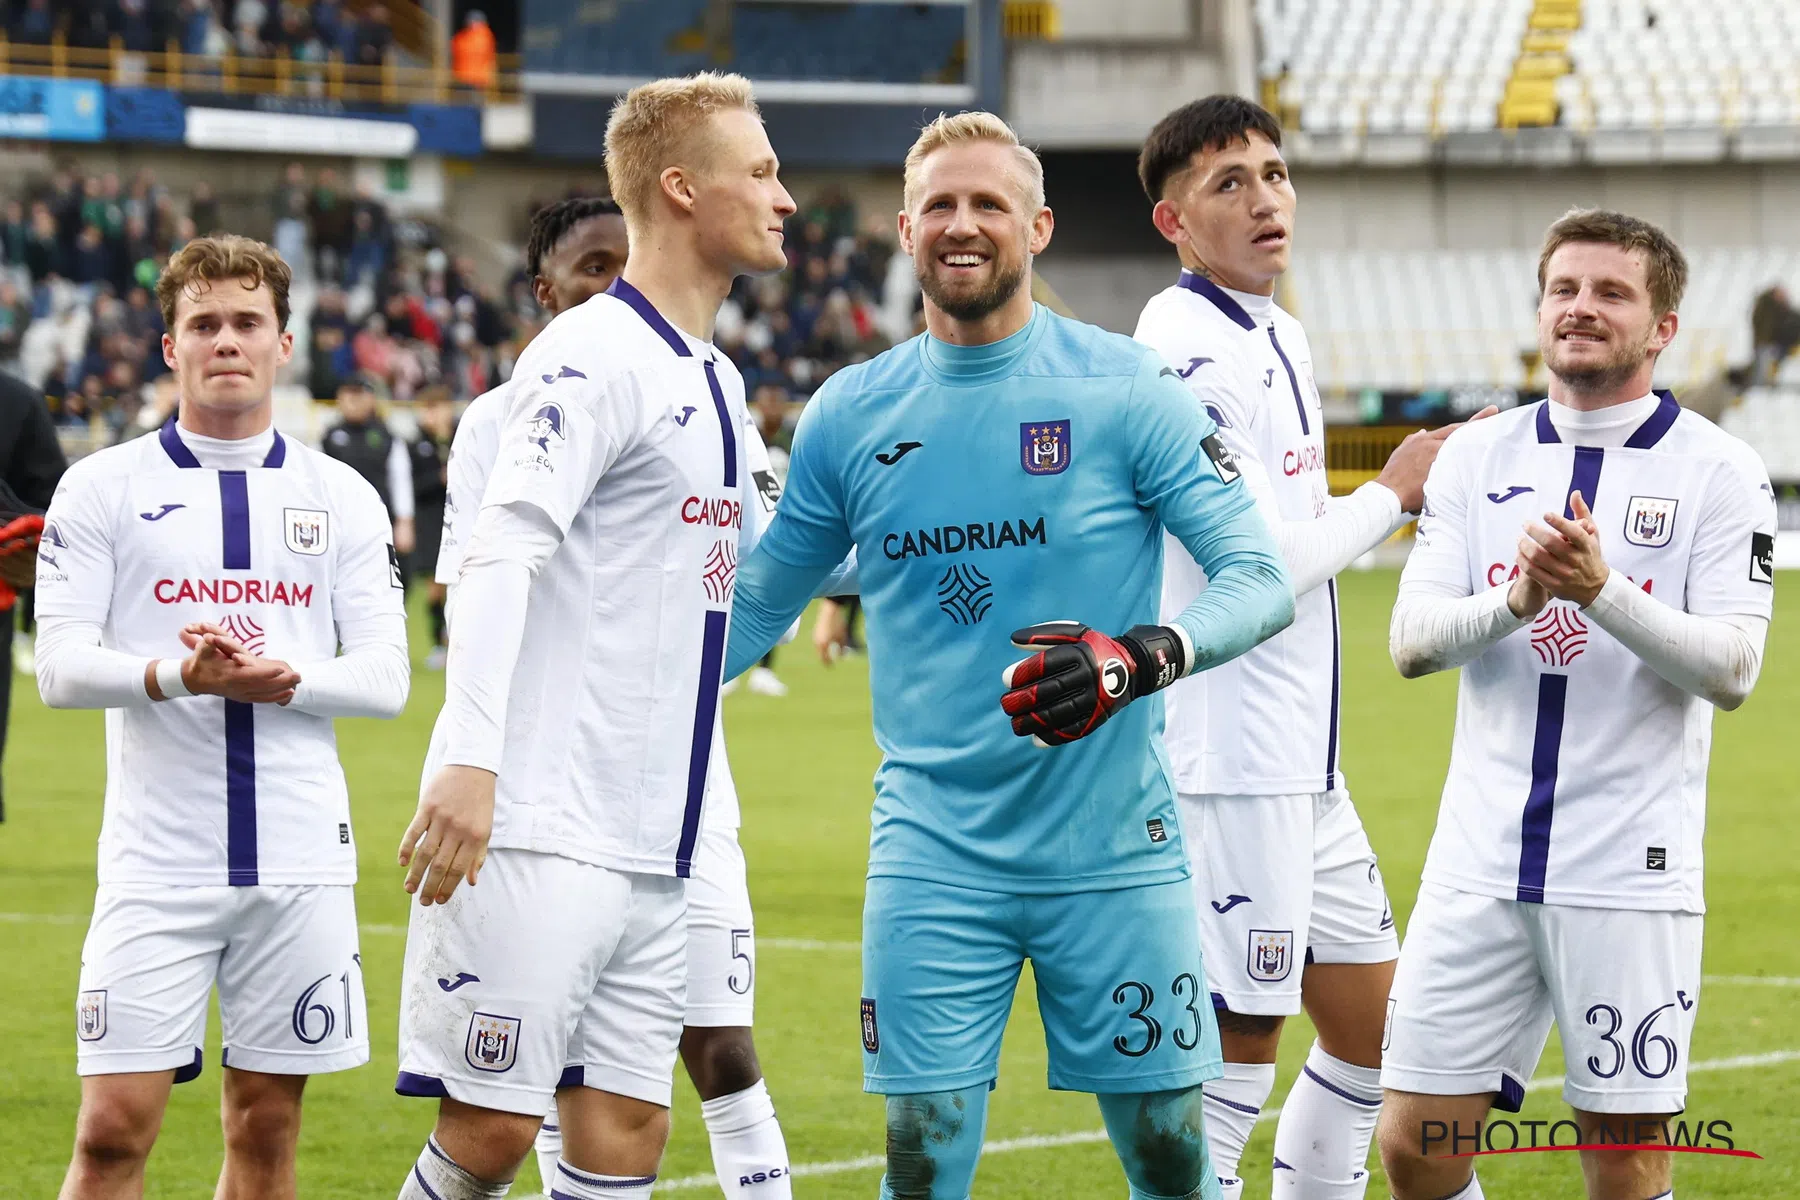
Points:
(1650, 521)
(306, 530)
(493, 1042)
(1045, 447)
(1223, 460)
(1762, 558)
(1271, 954)
(90, 1016)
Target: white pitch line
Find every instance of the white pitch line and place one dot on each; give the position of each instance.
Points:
(1754, 980)
(869, 1162)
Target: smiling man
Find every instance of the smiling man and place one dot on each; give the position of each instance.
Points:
(582, 691)
(1015, 465)
(197, 584)
(1599, 566)
(1292, 910)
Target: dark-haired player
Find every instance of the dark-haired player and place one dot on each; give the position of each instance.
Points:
(576, 249)
(1292, 910)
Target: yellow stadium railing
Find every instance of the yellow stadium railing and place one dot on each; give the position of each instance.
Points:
(1030, 21)
(1354, 454)
(277, 75)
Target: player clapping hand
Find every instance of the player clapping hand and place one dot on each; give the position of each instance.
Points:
(219, 665)
(1562, 562)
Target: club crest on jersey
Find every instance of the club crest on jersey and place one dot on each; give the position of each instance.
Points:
(1271, 954)
(90, 1015)
(493, 1042)
(1650, 521)
(306, 530)
(1045, 447)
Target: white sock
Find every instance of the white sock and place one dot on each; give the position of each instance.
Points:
(1233, 1104)
(1472, 1191)
(570, 1184)
(1327, 1122)
(548, 1147)
(749, 1154)
(436, 1177)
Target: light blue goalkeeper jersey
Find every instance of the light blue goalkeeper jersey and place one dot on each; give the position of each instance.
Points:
(986, 488)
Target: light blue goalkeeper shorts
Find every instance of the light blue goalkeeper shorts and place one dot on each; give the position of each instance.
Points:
(1119, 985)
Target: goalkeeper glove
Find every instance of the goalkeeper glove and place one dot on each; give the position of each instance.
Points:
(1080, 677)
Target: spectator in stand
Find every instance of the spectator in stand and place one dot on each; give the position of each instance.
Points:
(293, 239)
(430, 451)
(203, 207)
(15, 319)
(13, 232)
(89, 263)
(361, 439)
(367, 259)
(1774, 332)
(137, 254)
(43, 247)
(329, 211)
(247, 19)
(472, 55)
(33, 26)
(137, 27)
(374, 37)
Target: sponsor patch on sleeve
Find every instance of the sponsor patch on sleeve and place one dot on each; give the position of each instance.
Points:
(1223, 460)
(1762, 558)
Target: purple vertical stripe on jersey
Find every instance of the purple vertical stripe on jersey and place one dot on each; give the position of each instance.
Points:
(1656, 424)
(1200, 285)
(725, 429)
(706, 710)
(240, 793)
(1337, 682)
(1293, 381)
(1586, 477)
(1540, 804)
(234, 513)
(641, 303)
(277, 453)
(1546, 428)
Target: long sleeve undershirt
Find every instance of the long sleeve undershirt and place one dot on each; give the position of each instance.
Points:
(1316, 551)
(370, 678)
(1718, 658)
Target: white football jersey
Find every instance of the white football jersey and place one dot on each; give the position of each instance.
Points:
(630, 436)
(1578, 775)
(472, 462)
(142, 540)
(1265, 723)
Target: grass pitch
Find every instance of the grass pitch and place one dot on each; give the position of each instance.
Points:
(804, 764)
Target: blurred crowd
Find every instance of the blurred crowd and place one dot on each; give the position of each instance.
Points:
(376, 299)
(311, 32)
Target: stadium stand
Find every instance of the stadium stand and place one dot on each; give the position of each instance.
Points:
(1446, 318)
(1470, 66)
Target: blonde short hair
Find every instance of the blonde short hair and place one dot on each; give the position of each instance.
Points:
(653, 125)
(206, 261)
(973, 127)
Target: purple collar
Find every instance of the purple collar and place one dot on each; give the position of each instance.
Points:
(641, 303)
(1642, 438)
(178, 450)
(1203, 286)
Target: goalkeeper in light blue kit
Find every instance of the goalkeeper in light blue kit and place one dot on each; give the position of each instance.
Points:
(1007, 468)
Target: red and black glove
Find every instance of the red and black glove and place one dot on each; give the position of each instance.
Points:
(19, 534)
(1080, 676)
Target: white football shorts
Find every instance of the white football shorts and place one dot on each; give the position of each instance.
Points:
(1267, 907)
(548, 973)
(284, 959)
(1481, 979)
(721, 948)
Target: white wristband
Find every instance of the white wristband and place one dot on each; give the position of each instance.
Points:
(168, 679)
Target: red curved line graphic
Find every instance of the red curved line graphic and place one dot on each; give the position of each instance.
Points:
(1657, 1148)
